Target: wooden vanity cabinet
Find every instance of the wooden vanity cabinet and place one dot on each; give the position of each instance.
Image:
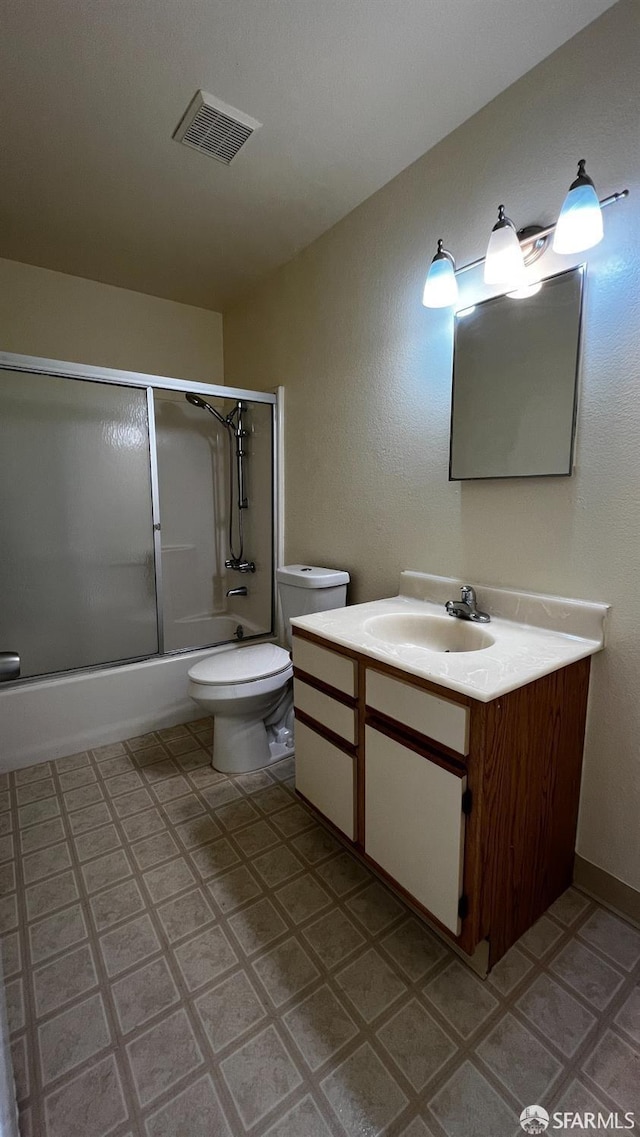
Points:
(468, 809)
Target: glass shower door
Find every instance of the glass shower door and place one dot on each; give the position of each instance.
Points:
(205, 602)
(77, 583)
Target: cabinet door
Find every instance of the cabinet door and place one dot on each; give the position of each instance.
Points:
(324, 776)
(414, 824)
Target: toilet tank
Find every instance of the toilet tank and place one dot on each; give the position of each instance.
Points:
(305, 589)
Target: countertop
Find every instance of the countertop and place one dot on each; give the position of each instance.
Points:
(521, 653)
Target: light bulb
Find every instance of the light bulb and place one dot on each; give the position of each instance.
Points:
(441, 286)
(579, 225)
(504, 262)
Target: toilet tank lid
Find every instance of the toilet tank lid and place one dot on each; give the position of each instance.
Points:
(241, 665)
(309, 576)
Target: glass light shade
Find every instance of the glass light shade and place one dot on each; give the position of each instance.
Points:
(504, 262)
(441, 286)
(579, 225)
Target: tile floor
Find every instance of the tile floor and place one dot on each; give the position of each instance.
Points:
(191, 955)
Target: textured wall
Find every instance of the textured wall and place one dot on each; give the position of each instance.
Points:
(367, 376)
(66, 317)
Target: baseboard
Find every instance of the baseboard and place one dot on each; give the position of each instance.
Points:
(607, 889)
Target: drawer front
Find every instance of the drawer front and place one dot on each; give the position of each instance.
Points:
(440, 719)
(337, 670)
(325, 776)
(332, 714)
(414, 824)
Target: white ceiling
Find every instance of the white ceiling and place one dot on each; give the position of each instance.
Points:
(349, 92)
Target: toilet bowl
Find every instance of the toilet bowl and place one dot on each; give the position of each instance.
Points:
(249, 689)
(249, 692)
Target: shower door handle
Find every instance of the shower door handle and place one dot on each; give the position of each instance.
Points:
(9, 666)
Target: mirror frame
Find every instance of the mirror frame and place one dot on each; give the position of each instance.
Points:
(580, 269)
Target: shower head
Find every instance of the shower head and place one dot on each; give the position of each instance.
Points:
(196, 401)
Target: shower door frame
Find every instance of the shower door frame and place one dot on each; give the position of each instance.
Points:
(10, 361)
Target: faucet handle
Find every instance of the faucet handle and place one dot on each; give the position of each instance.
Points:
(468, 595)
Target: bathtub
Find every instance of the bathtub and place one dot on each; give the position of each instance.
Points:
(64, 714)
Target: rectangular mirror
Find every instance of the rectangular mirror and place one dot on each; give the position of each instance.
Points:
(515, 376)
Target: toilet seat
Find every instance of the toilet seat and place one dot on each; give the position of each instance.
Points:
(240, 665)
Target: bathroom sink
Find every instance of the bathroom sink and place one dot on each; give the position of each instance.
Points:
(529, 635)
(435, 633)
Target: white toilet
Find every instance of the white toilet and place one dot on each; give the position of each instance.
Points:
(249, 690)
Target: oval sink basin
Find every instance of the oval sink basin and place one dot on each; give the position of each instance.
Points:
(435, 633)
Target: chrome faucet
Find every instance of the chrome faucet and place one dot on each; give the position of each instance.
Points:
(465, 607)
(237, 591)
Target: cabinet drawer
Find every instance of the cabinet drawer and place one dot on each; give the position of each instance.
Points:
(337, 670)
(414, 824)
(332, 714)
(325, 776)
(441, 719)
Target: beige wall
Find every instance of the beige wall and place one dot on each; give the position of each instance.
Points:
(367, 376)
(64, 317)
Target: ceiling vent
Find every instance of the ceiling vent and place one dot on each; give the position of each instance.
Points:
(213, 128)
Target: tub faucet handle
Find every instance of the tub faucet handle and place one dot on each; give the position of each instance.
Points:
(240, 565)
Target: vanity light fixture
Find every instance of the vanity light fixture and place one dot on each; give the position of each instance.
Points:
(441, 286)
(579, 225)
(504, 262)
(511, 251)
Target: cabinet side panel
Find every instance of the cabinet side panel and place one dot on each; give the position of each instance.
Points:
(530, 793)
